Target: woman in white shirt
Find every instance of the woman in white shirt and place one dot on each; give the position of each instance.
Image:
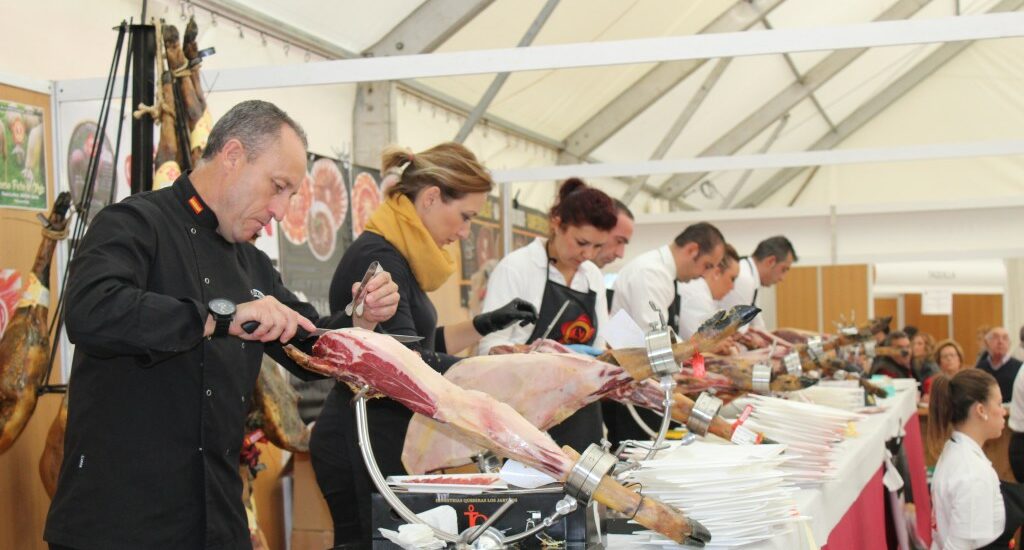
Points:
(971, 509)
(558, 278)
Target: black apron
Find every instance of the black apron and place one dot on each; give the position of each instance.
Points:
(576, 325)
(1013, 503)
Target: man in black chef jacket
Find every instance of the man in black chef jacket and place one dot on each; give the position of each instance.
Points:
(163, 374)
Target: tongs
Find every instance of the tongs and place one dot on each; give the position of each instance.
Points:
(359, 299)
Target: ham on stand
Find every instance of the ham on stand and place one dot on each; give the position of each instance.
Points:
(366, 360)
(547, 388)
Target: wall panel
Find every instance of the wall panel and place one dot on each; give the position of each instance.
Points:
(970, 312)
(797, 299)
(936, 325)
(887, 307)
(844, 295)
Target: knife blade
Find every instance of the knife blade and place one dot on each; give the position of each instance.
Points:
(303, 334)
(554, 321)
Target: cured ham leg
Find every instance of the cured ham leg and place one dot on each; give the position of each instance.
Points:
(53, 449)
(545, 388)
(649, 395)
(364, 358)
(276, 410)
(25, 346)
(710, 334)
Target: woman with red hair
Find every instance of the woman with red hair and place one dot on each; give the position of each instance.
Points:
(557, 276)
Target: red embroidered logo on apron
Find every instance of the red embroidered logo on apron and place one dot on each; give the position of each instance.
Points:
(578, 331)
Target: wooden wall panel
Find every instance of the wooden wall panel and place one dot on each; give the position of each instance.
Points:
(796, 299)
(844, 294)
(936, 325)
(971, 311)
(887, 307)
(23, 502)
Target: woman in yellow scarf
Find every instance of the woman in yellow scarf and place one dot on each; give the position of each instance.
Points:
(437, 194)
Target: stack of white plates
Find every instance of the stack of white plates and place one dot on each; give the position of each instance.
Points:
(741, 493)
(810, 433)
(839, 394)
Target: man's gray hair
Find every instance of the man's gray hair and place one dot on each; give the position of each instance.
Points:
(255, 124)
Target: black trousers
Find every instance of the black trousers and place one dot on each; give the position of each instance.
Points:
(1013, 504)
(1017, 455)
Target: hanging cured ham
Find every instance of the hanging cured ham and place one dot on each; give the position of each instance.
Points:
(25, 345)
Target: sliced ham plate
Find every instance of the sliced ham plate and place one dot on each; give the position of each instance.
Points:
(294, 224)
(365, 199)
(469, 484)
(321, 232)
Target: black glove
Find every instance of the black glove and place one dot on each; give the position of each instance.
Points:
(516, 310)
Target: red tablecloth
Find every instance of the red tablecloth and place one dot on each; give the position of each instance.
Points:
(864, 524)
(913, 445)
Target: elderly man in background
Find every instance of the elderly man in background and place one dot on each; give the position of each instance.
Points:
(997, 361)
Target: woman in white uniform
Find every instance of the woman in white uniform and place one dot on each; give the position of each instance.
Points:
(971, 509)
(557, 276)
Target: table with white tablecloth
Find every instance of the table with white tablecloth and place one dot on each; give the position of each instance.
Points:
(849, 511)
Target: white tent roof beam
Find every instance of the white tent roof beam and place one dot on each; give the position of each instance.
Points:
(565, 56)
(770, 160)
(658, 81)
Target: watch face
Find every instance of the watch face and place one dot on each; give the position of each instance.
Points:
(220, 306)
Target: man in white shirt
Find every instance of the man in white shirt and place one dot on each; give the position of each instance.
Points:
(615, 248)
(620, 236)
(698, 299)
(767, 266)
(651, 277)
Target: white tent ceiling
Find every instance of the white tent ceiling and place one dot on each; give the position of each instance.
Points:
(555, 105)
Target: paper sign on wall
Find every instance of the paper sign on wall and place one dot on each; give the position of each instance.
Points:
(937, 302)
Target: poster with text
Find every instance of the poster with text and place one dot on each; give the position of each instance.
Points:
(22, 156)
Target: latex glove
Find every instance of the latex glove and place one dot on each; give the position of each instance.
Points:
(518, 310)
(584, 349)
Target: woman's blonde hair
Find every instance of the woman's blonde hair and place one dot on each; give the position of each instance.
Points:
(450, 166)
(929, 343)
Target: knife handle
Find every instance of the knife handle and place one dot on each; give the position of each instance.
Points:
(300, 333)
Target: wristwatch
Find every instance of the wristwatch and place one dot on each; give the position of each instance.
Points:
(223, 312)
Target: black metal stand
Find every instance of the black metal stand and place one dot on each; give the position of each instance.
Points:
(141, 45)
(143, 59)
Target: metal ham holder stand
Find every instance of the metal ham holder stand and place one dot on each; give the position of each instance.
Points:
(583, 480)
(663, 363)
